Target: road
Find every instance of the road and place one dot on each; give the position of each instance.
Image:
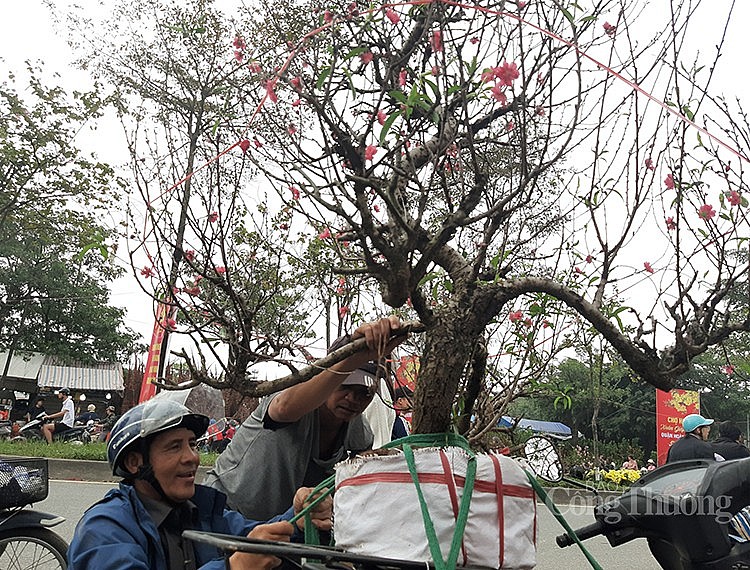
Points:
(71, 498)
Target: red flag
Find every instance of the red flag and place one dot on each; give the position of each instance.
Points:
(156, 352)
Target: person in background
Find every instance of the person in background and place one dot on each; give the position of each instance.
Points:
(36, 410)
(66, 415)
(139, 524)
(108, 422)
(694, 444)
(630, 463)
(650, 465)
(729, 443)
(89, 415)
(296, 436)
(402, 404)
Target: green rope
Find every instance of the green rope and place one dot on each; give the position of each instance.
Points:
(561, 519)
(325, 488)
(441, 440)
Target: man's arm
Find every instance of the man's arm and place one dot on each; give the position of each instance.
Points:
(293, 403)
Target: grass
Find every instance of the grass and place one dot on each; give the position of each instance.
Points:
(64, 450)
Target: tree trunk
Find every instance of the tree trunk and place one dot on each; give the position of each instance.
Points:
(449, 344)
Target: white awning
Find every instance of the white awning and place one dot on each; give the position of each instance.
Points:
(104, 377)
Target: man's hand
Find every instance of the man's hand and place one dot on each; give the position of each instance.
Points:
(321, 514)
(378, 334)
(279, 531)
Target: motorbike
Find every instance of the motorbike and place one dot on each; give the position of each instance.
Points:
(690, 512)
(26, 540)
(33, 431)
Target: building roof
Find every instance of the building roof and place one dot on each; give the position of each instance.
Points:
(28, 371)
(77, 376)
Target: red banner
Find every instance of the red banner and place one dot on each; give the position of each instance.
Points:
(407, 370)
(156, 352)
(671, 407)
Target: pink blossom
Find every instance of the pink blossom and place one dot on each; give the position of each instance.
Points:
(270, 93)
(435, 70)
(370, 152)
(291, 129)
(647, 267)
(728, 369)
(392, 15)
(257, 143)
(366, 57)
(507, 73)
(497, 93)
(327, 16)
(244, 144)
(649, 164)
(238, 56)
(589, 258)
(376, 208)
(352, 9)
(295, 192)
(539, 110)
(193, 290)
(515, 316)
(528, 322)
(238, 42)
(190, 255)
(436, 41)
(546, 324)
(509, 126)
(148, 272)
(734, 198)
(220, 269)
(609, 29)
(474, 40)
(254, 66)
(381, 116)
(706, 212)
(521, 4)
(325, 234)
(671, 224)
(296, 102)
(577, 269)
(213, 216)
(402, 78)
(297, 83)
(669, 181)
(488, 75)
(343, 310)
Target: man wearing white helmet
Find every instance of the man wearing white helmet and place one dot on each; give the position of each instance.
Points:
(139, 525)
(694, 444)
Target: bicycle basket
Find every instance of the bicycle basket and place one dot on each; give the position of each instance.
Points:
(22, 481)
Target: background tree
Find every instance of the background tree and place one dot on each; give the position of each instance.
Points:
(55, 262)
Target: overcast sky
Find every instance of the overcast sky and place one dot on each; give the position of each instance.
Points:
(27, 32)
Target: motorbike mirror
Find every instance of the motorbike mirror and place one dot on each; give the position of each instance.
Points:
(543, 459)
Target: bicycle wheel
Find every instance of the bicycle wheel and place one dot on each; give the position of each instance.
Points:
(32, 549)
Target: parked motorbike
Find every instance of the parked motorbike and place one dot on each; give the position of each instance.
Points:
(33, 431)
(686, 510)
(26, 540)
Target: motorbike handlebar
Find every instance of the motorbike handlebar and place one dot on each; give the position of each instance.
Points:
(583, 533)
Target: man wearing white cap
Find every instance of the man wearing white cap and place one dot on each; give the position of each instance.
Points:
(694, 444)
(296, 436)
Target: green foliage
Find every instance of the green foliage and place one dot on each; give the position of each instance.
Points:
(54, 251)
(63, 450)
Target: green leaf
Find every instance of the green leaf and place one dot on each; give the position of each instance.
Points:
(398, 96)
(568, 15)
(324, 73)
(355, 52)
(387, 126)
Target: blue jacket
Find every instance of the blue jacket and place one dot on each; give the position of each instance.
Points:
(117, 533)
